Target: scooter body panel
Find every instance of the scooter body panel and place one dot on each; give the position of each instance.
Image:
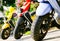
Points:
(43, 9)
(6, 25)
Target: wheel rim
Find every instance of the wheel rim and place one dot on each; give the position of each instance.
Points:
(43, 29)
(18, 34)
(42, 32)
(6, 33)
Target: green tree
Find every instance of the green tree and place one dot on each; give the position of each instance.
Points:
(8, 2)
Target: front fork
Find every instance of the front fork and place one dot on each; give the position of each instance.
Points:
(28, 17)
(11, 25)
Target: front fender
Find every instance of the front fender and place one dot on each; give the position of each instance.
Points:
(6, 25)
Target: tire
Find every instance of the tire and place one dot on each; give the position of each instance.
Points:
(19, 29)
(5, 33)
(38, 29)
(54, 24)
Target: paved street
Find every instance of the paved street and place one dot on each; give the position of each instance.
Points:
(51, 36)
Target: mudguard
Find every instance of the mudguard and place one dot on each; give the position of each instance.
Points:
(6, 25)
(43, 9)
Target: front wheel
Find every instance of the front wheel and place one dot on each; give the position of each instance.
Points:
(39, 28)
(19, 29)
(5, 33)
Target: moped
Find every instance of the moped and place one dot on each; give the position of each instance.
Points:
(23, 24)
(44, 20)
(8, 25)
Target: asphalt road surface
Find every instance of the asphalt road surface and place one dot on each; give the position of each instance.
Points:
(51, 36)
